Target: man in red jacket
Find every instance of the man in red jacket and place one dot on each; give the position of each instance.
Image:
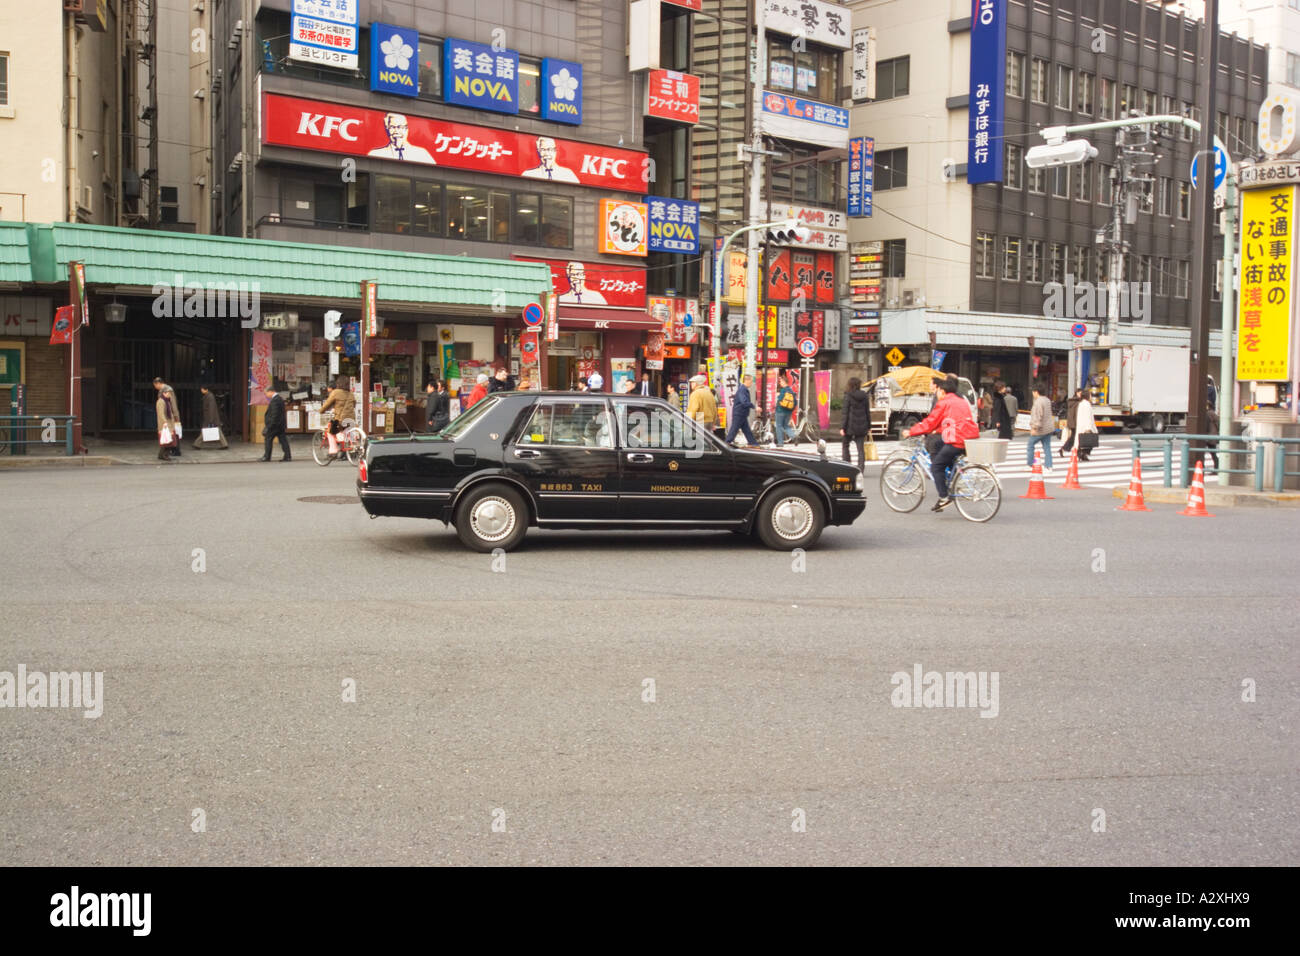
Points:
(951, 418)
(479, 392)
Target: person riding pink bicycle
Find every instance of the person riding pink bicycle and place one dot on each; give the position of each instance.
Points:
(344, 404)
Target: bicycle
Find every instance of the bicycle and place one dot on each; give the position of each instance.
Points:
(351, 442)
(974, 488)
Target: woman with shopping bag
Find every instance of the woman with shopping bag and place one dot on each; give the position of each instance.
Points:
(211, 432)
(169, 423)
(1085, 427)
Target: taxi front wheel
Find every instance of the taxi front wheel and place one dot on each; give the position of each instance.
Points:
(491, 516)
(790, 517)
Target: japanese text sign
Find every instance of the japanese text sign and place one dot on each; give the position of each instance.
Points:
(1265, 311)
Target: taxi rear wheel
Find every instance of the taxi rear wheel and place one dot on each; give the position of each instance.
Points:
(491, 516)
(790, 517)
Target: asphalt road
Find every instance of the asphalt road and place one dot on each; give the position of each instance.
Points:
(521, 690)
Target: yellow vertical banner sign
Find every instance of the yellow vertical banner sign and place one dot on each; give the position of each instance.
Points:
(1265, 310)
(736, 277)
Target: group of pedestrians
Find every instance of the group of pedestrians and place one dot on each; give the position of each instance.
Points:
(168, 421)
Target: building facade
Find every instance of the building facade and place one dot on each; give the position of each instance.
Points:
(998, 248)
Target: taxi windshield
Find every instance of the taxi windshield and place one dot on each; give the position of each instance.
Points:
(466, 420)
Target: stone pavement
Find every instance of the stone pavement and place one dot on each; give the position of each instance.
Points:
(102, 452)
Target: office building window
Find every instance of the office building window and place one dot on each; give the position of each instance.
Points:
(1293, 69)
(1221, 126)
(1082, 263)
(1165, 196)
(1105, 187)
(1011, 258)
(392, 204)
(984, 255)
(4, 79)
(1060, 177)
(1015, 74)
(426, 219)
(891, 169)
(169, 204)
(476, 213)
(1182, 277)
(1064, 87)
(1015, 167)
(895, 258)
(557, 222)
(530, 82)
(1038, 80)
(1162, 273)
(1191, 113)
(1106, 98)
(1184, 200)
(1084, 102)
(1149, 102)
(893, 77)
(430, 71)
(1060, 262)
(1127, 99)
(1037, 180)
(1033, 257)
(1083, 183)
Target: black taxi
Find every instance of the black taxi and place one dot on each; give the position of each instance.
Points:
(592, 460)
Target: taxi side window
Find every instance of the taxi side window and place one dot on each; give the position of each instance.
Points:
(538, 429)
(653, 426)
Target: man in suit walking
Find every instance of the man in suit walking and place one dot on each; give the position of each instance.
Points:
(275, 426)
(644, 388)
(741, 406)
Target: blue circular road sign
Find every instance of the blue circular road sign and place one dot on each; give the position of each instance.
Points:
(533, 314)
(1078, 330)
(1220, 168)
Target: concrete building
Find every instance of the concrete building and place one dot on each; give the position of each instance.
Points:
(977, 259)
(1276, 23)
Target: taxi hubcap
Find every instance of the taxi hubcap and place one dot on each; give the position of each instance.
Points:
(492, 518)
(792, 518)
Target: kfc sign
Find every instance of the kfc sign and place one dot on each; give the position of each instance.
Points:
(357, 131)
(673, 96)
(596, 283)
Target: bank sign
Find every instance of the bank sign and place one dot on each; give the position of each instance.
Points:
(674, 225)
(988, 58)
(394, 64)
(324, 32)
(477, 76)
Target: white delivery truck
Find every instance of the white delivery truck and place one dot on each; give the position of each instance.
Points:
(1137, 386)
(911, 399)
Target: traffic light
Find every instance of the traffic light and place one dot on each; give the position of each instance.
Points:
(333, 324)
(788, 233)
(1069, 153)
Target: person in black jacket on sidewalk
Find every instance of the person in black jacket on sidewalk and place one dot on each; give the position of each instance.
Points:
(855, 424)
(275, 425)
(439, 406)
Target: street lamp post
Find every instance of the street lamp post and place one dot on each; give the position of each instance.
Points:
(1203, 255)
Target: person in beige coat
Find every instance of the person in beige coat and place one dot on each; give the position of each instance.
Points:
(344, 405)
(168, 417)
(702, 407)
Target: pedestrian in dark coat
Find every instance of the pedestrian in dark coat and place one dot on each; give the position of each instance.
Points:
(211, 418)
(1003, 418)
(275, 425)
(855, 424)
(168, 415)
(741, 405)
(1071, 422)
(439, 406)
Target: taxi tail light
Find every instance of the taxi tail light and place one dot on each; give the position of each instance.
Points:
(362, 471)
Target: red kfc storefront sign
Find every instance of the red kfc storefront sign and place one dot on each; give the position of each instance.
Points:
(418, 140)
(596, 284)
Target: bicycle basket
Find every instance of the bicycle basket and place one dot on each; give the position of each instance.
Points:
(986, 451)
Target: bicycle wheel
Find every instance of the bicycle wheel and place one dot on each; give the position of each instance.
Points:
(354, 440)
(976, 493)
(902, 485)
(320, 449)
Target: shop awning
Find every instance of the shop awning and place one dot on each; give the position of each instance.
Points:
(990, 330)
(141, 258)
(15, 257)
(607, 319)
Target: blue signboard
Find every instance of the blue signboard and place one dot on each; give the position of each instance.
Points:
(394, 66)
(988, 58)
(561, 92)
(862, 161)
(480, 77)
(674, 225)
(351, 338)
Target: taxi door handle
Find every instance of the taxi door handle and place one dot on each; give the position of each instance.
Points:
(527, 453)
(639, 458)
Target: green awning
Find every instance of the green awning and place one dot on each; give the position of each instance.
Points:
(15, 258)
(142, 258)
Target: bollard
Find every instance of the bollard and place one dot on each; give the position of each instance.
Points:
(1259, 464)
(1169, 462)
(67, 434)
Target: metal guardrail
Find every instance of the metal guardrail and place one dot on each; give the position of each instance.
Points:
(1287, 448)
(11, 426)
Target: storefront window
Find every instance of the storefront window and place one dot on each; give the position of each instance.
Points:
(557, 222)
(427, 218)
(392, 204)
(499, 216)
(469, 210)
(527, 218)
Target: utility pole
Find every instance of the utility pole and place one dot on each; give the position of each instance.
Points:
(1115, 268)
(756, 151)
(1202, 223)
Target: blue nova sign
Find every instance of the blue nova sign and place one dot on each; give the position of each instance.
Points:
(394, 60)
(562, 91)
(480, 77)
(674, 225)
(988, 84)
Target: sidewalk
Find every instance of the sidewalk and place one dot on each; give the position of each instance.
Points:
(102, 452)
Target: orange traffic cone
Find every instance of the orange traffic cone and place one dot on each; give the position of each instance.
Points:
(1135, 501)
(1037, 490)
(1072, 476)
(1196, 495)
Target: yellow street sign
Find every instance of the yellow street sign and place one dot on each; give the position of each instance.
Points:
(894, 356)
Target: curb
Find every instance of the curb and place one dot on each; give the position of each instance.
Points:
(73, 461)
(1215, 498)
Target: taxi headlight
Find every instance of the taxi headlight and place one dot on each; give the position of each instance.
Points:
(858, 482)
